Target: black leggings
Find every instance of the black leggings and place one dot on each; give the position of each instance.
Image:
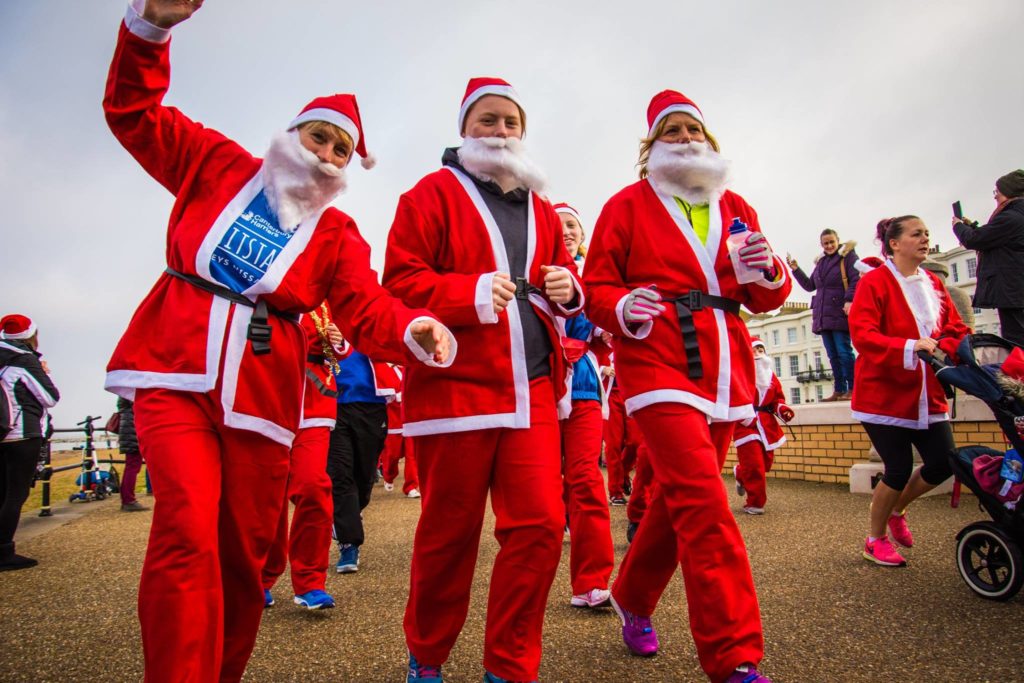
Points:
(893, 444)
(17, 465)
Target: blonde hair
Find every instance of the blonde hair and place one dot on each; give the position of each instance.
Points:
(327, 127)
(648, 142)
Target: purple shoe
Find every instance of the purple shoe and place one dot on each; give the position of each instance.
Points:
(637, 632)
(747, 674)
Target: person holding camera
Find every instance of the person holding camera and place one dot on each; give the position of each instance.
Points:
(1000, 247)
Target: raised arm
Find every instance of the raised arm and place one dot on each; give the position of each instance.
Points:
(163, 140)
(1001, 232)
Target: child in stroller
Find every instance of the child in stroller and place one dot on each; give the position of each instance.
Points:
(988, 552)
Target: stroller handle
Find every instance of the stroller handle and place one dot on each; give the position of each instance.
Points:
(931, 360)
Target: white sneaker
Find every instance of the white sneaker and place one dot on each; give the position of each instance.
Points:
(389, 487)
(413, 493)
(753, 510)
(596, 597)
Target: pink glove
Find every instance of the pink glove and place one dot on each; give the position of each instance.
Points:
(755, 253)
(642, 305)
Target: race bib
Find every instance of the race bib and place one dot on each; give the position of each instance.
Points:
(249, 247)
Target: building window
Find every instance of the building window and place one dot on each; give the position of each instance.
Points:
(775, 337)
(794, 365)
(972, 267)
(791, 335)
(794, 395)
(817, 361)
(954, 272)
(778, 366)
(818, 393)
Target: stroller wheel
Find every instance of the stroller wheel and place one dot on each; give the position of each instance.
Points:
(989, 561)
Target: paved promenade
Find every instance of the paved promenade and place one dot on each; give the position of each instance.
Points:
(829, 616)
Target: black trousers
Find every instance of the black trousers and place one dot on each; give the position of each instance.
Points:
(17, 465)
(356, 445)
(893, 444)
(1011, 324)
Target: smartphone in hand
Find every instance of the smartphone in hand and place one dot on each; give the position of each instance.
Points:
(957, 211)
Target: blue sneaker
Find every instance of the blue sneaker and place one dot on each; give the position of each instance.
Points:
(422, 673)
(317, 599)
(348, 561)
(268, 599)
(491, 678)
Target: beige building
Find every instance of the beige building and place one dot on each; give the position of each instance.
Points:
(963, 267)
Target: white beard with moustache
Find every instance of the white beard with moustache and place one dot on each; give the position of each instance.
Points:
(297, 183)
(491, 158)
(763, 373)
(692, 171)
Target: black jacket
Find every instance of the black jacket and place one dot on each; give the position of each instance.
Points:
(29, 387)
(128, 442)
(1000, 247)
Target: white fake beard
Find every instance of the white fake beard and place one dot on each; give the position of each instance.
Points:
(297, 183)
(763, 373)
(490, 158)
(924, 302)
(692, 171)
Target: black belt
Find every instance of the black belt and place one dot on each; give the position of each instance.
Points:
(316, 359)
(320, 386)
(763, 409)
(686, 303)
(259, 326)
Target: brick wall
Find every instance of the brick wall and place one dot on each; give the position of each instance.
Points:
(824, 442)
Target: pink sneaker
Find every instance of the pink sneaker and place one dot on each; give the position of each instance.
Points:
(747, 674)
(881, 552)
(900, 531)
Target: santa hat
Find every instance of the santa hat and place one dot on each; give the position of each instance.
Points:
(483, 86)
(16, 326)
(669, 102)
(756, 342)
(868, 263)
(1013, 366)
(562, 207)
(342, 111)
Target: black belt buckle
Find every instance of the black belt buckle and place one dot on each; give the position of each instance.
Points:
(694, 300)
(259, 335)
(522, 289)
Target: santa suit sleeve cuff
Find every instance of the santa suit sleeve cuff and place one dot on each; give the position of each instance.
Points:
(421, 353)
(627, 328)
(909, 356)
(342, 350)
(143, 29)
(484, 301)
(781, 275)
(579, 298)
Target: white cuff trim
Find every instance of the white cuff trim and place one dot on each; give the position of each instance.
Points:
(910, 359)
(421, 353)
(484, 300)
(134, 22)
(641, 333)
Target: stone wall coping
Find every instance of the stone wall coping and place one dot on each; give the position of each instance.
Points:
(968, 409)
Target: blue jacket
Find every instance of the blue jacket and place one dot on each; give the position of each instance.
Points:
(586, 384)
(355, 380)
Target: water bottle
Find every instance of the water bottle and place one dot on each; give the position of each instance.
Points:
(738, 234)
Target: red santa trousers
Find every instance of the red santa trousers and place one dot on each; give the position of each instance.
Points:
(755, 462)
(690, 512)
(621, 439)
(591, 556)
(520, 468)
(218, 493)
(643, 491)
(397, 447)
(308, 545)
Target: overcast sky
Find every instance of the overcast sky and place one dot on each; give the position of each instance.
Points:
(834, 116)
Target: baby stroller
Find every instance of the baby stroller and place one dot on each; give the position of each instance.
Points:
(988, 553)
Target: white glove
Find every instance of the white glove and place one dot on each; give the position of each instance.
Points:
(642, 305)
(755, 253)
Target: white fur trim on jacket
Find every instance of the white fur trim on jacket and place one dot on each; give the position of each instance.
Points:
(484, 300)
(138, 26)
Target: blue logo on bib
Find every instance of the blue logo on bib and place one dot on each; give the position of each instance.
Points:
(249, 247)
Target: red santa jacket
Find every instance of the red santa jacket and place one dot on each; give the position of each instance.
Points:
(389, 378)
(443, 251)
(891, 385)
(764, 426)
(643, 238)
(320, 403)
(179, 333)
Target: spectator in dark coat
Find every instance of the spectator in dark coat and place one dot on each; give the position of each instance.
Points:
(129, 445)
(833, 281)
(1000, 247)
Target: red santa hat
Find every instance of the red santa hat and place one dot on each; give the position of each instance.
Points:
(1013, 366)
(868, 263)
(342, 111)
(669, 102)
(756, 342)
(483, 86)
(562, 207)
(16, 326)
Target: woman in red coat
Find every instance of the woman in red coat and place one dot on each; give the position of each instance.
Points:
(661, 279)
(900, 309)
(214, 356)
